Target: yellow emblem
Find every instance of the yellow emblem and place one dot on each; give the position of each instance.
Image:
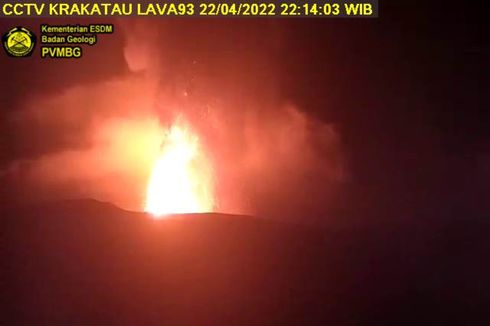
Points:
(19, 42)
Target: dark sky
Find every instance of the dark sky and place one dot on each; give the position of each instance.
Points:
(405, 92)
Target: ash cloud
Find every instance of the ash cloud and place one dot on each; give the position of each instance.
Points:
(270, 158)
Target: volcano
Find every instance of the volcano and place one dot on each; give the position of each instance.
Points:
(86, 262)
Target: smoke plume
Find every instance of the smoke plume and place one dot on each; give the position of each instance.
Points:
(269, 157)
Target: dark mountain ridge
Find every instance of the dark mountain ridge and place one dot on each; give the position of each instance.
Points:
(88, 263)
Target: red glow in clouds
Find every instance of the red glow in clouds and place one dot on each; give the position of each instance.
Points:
(239, 146)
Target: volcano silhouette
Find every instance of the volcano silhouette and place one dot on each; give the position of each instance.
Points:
(90, 263)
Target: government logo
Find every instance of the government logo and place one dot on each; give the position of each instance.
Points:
(19, 42)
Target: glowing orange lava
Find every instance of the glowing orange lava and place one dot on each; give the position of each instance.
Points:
(182, 178)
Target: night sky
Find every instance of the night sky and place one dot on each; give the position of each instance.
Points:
(404, 92)
(374, 131)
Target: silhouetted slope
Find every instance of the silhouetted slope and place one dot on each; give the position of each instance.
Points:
(86, 262)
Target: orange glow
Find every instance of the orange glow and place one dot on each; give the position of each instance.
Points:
(181, 180)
